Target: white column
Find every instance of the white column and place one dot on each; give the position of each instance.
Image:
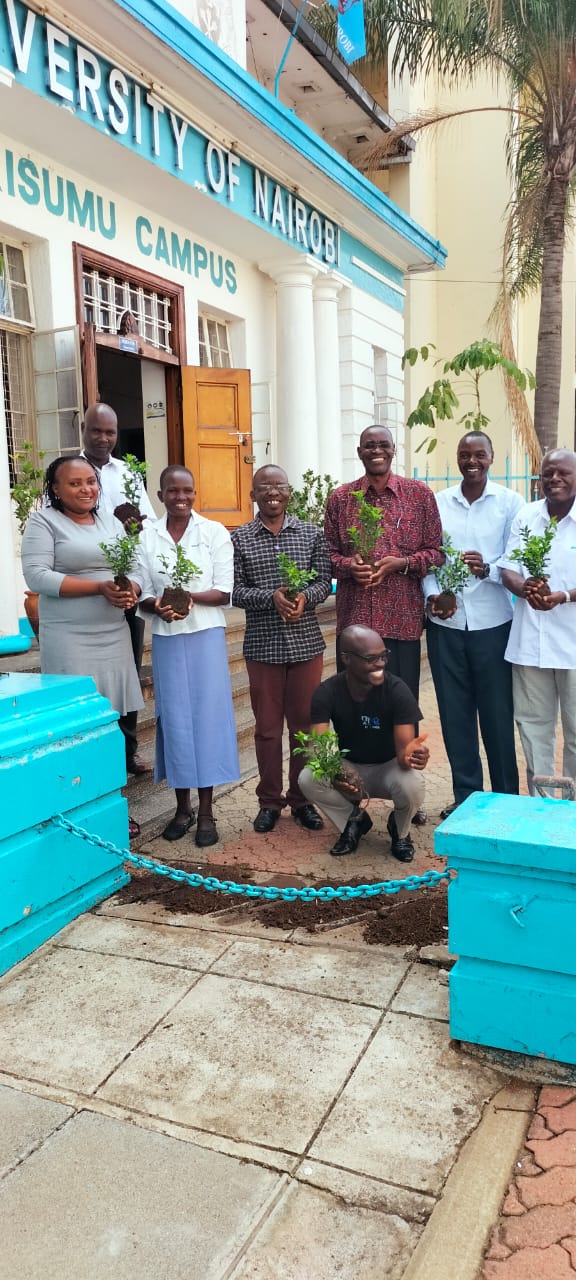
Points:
(8, 588)
(296, 415)
(326, 290)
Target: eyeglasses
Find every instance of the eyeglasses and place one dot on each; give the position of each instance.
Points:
(272, 488)
(372, 445)
(371, 659)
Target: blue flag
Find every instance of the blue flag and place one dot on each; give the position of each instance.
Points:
(351, 31)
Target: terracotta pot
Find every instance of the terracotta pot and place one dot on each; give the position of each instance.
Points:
(31, 610)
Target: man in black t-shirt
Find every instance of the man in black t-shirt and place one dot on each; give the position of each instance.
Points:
(374, 715)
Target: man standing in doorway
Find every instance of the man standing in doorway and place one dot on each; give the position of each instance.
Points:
(283, 644)
(466, 646)
(99, 438)
(542, 644)
(387, 595)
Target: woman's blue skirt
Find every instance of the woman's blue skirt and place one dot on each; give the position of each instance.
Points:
(195, 730)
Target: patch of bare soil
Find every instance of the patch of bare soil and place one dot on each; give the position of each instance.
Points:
(183, 899)
(418, 917)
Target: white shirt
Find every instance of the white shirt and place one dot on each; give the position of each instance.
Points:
(545, 639)
(111, 477)
(209, 546)
(484, 526)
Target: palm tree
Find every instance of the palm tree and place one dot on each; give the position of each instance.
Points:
(530, 45)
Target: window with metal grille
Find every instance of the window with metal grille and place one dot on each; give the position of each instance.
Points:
(15, 303)
(15, 370)
(214, 343)
(107, 297)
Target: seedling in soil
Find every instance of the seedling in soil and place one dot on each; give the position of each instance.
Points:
(368, 529)
(179, 573)
(534, 553)
(451, 576)
(27, 490)
(121, 554)
(326, 761)
(294, 580)
(132, 486)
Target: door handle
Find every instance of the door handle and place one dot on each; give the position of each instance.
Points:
(241, 435)
(249, 457)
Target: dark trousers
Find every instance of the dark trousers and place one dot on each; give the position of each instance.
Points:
(128, 722)
(403, 661)
(279, 692)
(473, 684)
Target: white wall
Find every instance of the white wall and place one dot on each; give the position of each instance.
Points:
(365, 324)
(223, 21)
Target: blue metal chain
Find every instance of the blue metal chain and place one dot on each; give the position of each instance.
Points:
(270, 893)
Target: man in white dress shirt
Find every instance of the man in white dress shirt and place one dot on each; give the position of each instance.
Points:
(466, 647)
(542, 644)
(99, 438)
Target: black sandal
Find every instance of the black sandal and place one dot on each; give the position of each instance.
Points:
(207, 835)
(133, 828)
(176, 829)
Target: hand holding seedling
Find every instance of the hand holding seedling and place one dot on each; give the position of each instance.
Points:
(120, 597)
(383, 568)
(475, 563)
(289, 610)
(540, 597)
(416, 755)
(443, 610)
(168, 614)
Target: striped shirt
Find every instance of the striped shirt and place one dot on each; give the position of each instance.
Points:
(256, 578)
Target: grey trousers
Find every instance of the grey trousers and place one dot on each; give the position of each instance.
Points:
(539, 692)
(405, 787)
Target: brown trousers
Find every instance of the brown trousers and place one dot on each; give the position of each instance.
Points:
(281, 692)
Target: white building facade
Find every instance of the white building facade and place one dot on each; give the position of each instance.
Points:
(177, 243)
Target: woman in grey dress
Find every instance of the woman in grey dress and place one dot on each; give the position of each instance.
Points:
(83, 630)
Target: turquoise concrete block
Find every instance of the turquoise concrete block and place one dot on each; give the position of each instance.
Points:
(512, 923)
(61, 751)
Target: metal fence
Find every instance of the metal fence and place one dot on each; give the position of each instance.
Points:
(525, 482)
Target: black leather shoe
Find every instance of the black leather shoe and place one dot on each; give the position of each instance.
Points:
(420, 818)
(450, 808)
(358, 825)
(401, 847)
(266, 820)
(307, 816)
(206, 834)
(138, 765)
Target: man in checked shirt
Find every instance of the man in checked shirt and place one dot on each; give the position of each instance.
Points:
(283, 644)
(386, 596)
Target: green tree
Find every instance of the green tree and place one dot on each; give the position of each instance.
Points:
(531, 46)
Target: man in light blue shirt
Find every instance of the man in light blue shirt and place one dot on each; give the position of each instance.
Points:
(466, 645)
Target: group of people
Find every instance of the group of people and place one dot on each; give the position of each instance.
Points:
(491, 660)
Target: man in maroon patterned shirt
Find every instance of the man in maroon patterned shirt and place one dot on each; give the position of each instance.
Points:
(385, 596)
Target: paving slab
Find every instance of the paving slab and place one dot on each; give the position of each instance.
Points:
(311, 1235)
(25, 1121)
(253, 1062)
(69, 1017)
(408, 1107)
(423, 993)
(234, 922)
(366, 1193)
(105, 1198)
(355, 976)
(186, 948)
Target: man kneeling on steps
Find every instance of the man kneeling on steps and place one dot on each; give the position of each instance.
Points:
(373, 714)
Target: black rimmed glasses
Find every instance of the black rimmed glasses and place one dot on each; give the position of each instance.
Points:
(372, 660)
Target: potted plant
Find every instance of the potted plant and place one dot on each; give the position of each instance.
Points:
(326, 761)
(294, 580)
(132, 485)
(534, 553)
(451, 576)
(120, 555)
(26, 494)
(179, 573)
(309, 502)
(367, 530)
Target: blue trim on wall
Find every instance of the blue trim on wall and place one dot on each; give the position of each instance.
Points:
(178, 34)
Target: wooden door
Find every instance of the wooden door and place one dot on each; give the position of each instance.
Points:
(218, 441)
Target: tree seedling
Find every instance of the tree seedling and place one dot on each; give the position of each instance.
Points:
(27, 491)
(294, 580)
(120, 555)
(451, 576)
(368, 529)
(534, 553)
(132, 486)
(325, 759)
(309, 502)
(180, 572)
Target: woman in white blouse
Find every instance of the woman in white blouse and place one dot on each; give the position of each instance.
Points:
(195, 730)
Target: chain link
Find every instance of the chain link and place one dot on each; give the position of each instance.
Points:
(268, 893)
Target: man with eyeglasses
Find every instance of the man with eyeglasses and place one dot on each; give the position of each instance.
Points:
(283, 643)
(374, 714)
(386, 595)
